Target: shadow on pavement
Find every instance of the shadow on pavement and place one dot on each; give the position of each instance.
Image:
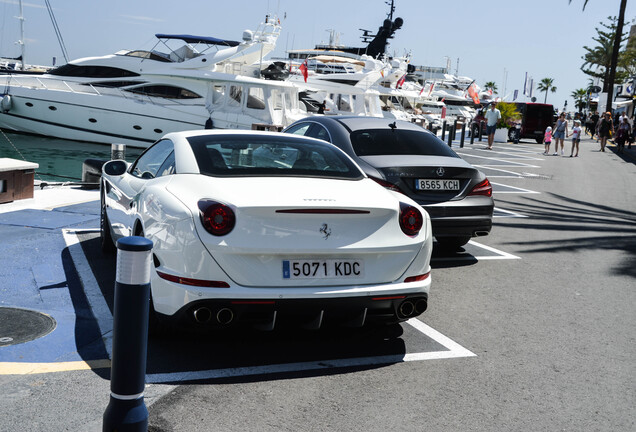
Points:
(610, 228)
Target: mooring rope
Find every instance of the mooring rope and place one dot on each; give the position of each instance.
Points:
(18, 151)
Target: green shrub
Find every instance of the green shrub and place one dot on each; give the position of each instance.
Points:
(509, 114)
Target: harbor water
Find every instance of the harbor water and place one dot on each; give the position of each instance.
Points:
(59, 160)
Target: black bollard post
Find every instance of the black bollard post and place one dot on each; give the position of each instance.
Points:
(481, 126)
(127, 410)
(455, 129)
(443, 130)
(463, 136)
(451, 132)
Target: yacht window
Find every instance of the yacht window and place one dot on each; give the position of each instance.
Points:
(256, 98)
(287, 101)
(147, 166)
(114, 83)
(236, 93)
(277, 99)
(344, 103)
(92, 71)
(218, 94)
(151, 55)
(165, 91)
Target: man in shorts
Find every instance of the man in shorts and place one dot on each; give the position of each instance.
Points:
(492, 117)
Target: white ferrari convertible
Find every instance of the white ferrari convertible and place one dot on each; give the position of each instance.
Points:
(263, 228)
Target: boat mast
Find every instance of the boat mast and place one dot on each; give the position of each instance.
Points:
(21, 41)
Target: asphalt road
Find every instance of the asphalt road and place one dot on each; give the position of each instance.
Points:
(532, 330)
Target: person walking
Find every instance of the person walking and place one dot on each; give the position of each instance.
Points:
(547, 140)
(576, 138)
(492, 117)
(594, 118)
(622, 134)
(605, 129)
(560, 131)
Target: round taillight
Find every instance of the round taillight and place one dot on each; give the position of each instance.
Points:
(411, 219)
(217, 219)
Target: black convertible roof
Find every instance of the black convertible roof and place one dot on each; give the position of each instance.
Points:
(198, 39)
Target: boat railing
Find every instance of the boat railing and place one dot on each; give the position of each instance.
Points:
(44, 83)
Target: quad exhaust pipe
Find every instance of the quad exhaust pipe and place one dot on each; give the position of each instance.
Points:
(204, 315)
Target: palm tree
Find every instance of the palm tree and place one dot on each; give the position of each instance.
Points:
(490, 85)
(616, 49)
(546, 85)
(579, 96)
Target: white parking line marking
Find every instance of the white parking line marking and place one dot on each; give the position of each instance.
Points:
(516, 189)
(501, 254)
(514, 158)
(514, 174)
(509, 213)
(454, 351)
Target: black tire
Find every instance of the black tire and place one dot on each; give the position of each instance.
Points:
(106, 237)
(452, 243)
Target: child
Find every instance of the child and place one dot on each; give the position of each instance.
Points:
(547, 140)
(576, 137)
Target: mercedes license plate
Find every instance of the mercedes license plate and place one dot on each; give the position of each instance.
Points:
(322, 269)
(435, 184)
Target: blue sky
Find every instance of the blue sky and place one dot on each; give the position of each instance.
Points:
(494, 40)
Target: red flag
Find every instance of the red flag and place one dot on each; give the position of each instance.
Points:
(473, 93)
(430, 90)
(303, 70)
(400, 82)
(421, 90)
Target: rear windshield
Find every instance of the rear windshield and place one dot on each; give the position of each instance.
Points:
(253, 155)
(379, 142)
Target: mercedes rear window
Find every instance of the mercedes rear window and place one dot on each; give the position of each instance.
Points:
(254, 155)
(381, 142)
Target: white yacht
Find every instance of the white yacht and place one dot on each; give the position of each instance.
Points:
(134, 97)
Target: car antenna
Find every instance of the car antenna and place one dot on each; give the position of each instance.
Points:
(393, 126)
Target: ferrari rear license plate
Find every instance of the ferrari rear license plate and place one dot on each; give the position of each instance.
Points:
(322, 269)
(435, 184)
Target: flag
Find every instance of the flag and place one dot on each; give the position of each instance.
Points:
(400, 82)
(303, 70)
(430, 90)
(421, 90)
(472, 92)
